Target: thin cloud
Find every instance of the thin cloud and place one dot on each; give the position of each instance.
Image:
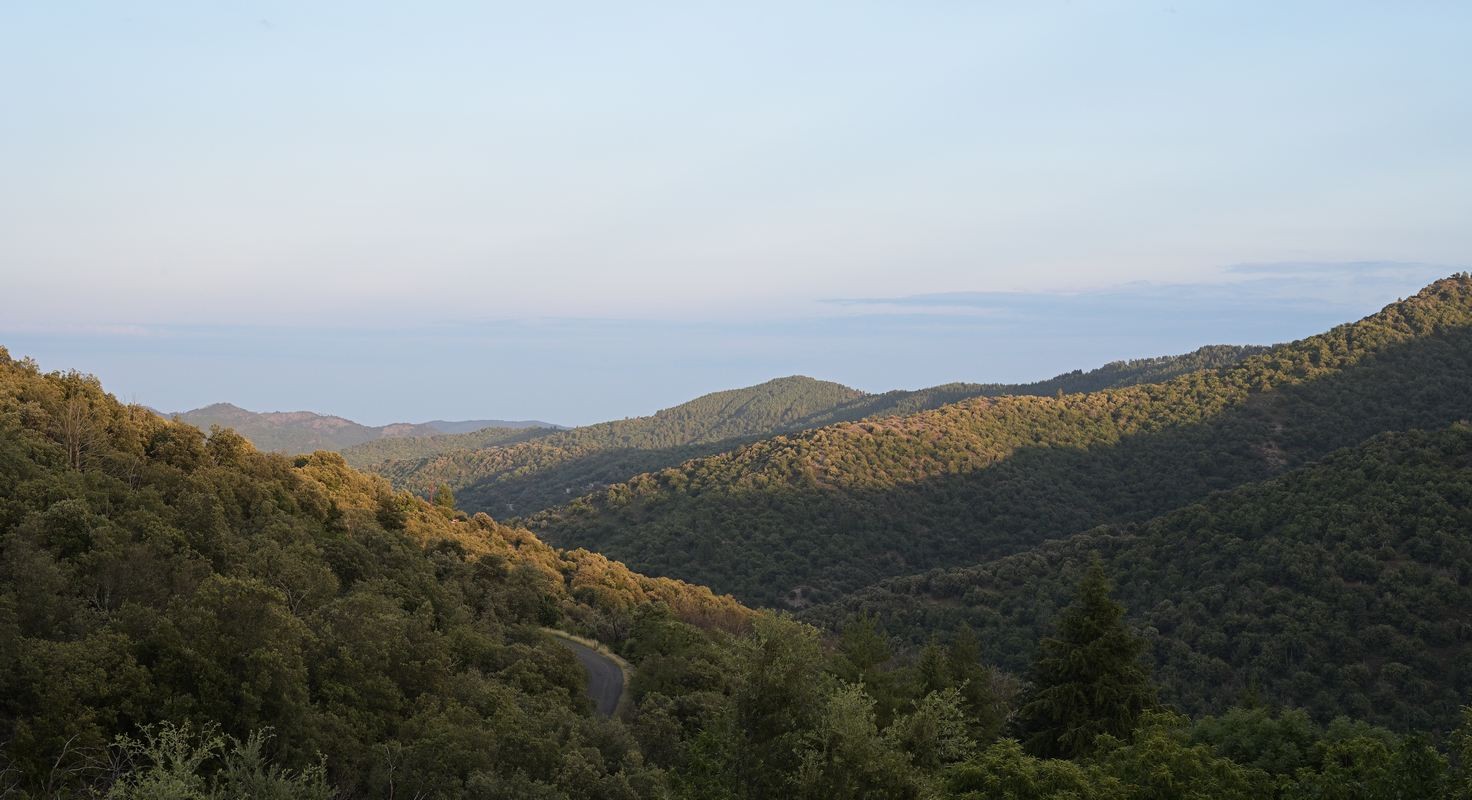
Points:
(1280, 285)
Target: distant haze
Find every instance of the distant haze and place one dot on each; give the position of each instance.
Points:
(576, 211)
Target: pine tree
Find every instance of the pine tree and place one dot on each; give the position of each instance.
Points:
(1087, 679)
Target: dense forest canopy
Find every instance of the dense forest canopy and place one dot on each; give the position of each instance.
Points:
(1342, 587)
(518, 474)
(805, 517)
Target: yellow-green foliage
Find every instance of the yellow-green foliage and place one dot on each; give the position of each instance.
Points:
(154, 575)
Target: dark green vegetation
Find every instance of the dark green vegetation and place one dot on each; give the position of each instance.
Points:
(390, 451)
(1087, 680)
(152, 576)
(806, 517)
(184, 617)
(292, 432)
(523, 473)
(782, 714)
(1344, 587)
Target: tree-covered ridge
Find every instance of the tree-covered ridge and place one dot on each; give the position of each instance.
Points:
(804, 517)
(547, 469)
(1115, 374)
(152, 575)
(502, 475)
(415, 448)
(1343, 587)
(292, 432)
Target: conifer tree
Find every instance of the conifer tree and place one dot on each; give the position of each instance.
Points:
(1087, 679)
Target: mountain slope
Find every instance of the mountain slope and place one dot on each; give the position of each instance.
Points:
(805, 517)
(385, 454)
(305, 432)
(152, 575)
(505, 476)
(450, 427)
(543, 470)
(1341, 587)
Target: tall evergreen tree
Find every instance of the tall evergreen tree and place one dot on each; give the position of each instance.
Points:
(1087, 679)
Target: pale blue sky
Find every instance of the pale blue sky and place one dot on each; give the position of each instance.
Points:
(584, 210)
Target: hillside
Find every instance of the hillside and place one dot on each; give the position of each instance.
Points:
(393, 450)
(526, 475)
(522, 475)
(1342, 587)
(803, 518)
(292, 432)
(150, 575)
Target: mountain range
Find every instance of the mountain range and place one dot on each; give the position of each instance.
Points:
(509, 475)
(805, 517)
(1280, 534)
(305, 431)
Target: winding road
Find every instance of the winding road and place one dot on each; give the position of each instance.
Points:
(605, 676)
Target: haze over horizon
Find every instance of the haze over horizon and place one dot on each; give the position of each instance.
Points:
(577, 213)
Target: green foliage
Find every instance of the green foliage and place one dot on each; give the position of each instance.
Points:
(1158, 762)
(173, 762)
(1087, 680)
(803, 518)
(845, 756)
(1340, 588)
(192, 592)
(776, 703)
(425, 447)
(1459, 782)
(936, 733)
(1004, 772)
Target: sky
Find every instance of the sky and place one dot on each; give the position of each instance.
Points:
(585, 211)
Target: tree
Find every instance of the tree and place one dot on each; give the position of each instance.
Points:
(1004, 772)
(863, 647)
(1160, 763)
(845, 756)
(77, 429)
(780, 696)
(986, 693)
(444, 497)
(932, 670)
(1087, 679)
(934, 734)
(1461, 747)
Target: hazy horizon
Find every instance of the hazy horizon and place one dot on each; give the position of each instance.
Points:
(380, 376)
(577, 212)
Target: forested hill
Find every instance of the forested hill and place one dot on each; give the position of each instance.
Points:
(547, 469)
(1342, 588)
(531, 471)
(150, 574)
(293, 432)
(805, 517)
